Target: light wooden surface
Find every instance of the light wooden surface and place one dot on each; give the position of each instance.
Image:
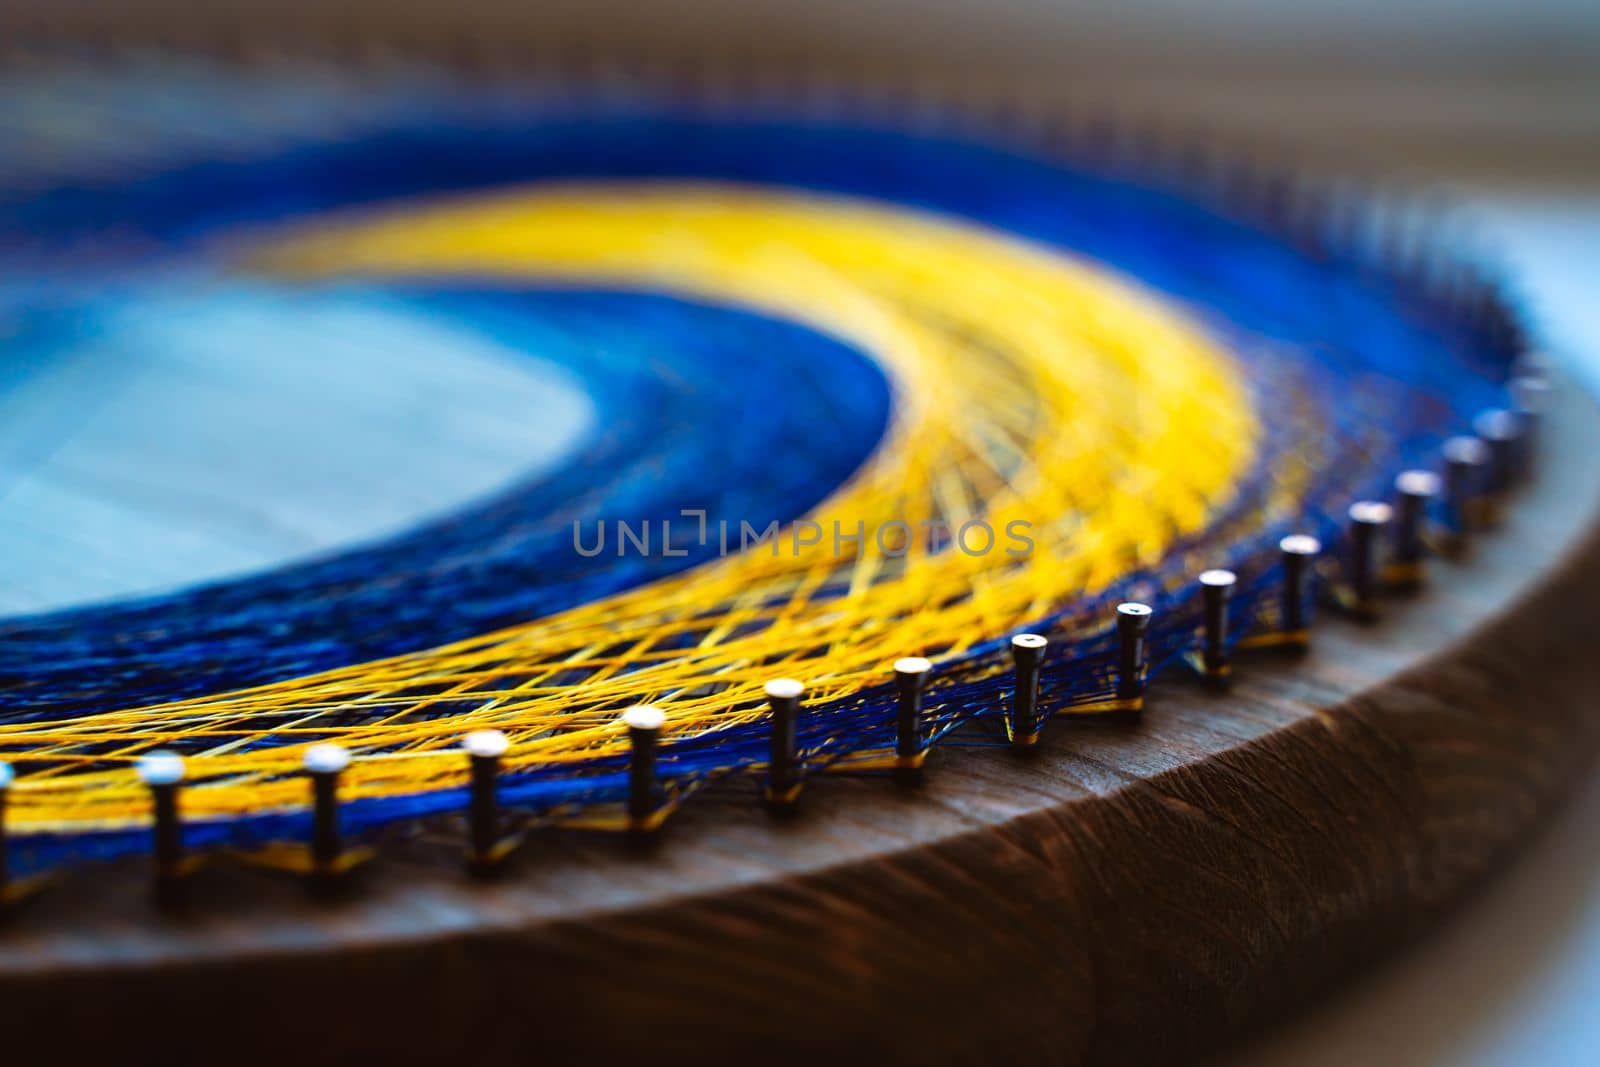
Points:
(239, 428)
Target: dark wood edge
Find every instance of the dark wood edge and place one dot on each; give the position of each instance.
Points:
(1132, 894)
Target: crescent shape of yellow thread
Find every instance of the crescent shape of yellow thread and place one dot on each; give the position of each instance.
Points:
(1028, 386)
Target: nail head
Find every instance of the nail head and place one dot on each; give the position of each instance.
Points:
(1300, 545)
(327, 758)
(486, 744)
(644, 717)
(784, 689)
(161, 768)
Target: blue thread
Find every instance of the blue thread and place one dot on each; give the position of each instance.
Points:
(1376, 350)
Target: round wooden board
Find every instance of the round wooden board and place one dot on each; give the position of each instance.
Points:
(1131, 893)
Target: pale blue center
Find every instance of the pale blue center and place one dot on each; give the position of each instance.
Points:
(176, 441)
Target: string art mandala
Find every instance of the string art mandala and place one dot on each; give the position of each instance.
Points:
(904, 429)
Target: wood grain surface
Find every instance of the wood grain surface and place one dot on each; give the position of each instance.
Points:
(1132, 893)
(123, 456)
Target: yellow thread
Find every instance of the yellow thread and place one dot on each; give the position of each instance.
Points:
(295, 858)
(783, 797)
(1403, 573)
(876, 761)
(1278, 639)
(1028, 386)
(19, 889)
(498, 852)
(1100, 707)
(1197, 662)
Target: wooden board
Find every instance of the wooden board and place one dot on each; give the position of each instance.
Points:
(1132, 893)
(122, 458)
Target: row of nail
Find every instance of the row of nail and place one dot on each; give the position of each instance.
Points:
(1431, 511)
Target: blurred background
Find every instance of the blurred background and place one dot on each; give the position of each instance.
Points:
(1503, 85)
(1495, 103)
